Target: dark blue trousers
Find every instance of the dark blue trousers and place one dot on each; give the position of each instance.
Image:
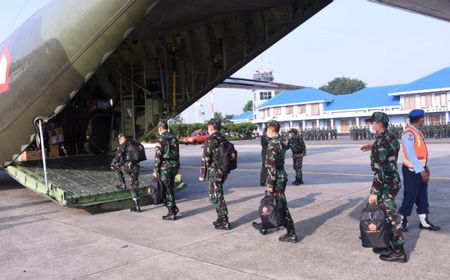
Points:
(414, 191)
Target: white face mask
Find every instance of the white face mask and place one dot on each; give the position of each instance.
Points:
(372, 130)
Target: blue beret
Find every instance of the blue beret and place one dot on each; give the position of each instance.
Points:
(416, 113)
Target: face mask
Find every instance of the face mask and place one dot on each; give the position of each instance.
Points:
(372, 130)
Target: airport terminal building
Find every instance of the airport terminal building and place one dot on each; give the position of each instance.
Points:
(313, 108)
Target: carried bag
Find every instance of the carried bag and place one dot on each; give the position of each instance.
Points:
(179, 184)
(375, 230)
(227, 156)
(135, 151)
(271, 210)
(155, 192)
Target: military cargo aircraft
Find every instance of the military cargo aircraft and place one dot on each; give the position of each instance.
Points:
(80, 70)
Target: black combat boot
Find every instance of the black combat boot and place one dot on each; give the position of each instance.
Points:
(258, 227)
(290, 236)
(381, 251)
(426, 224)
(171, 216)
(218, 221)
(296, 182)
(122, 186)
(136, 207)
(300, 181)
(396, 254)
(224, 224)
(404, 224)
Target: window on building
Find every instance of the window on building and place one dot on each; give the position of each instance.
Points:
(444, 99)
(426, 100)
(345, 125)
(277, 111)
(301, 109)
(409, 102)
(265, 95)
(289, 110)
(315, 109)
(441, 99)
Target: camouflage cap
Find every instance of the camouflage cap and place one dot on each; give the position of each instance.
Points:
(273, 123)
(295, 131)
(378, 116)
(214, 122)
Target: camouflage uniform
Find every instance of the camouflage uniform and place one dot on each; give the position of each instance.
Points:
(263, 175)
(216, 177)
(386, 180)
(122, 165)
(167, 164)
(298, 148)
(277, 176)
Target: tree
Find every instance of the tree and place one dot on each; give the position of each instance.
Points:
(248, 106)
(343, 85)
(228, 118)
(218, 116)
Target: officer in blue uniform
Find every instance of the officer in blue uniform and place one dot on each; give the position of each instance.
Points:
(416, 172)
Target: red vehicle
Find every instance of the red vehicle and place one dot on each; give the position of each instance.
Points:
(196, 137)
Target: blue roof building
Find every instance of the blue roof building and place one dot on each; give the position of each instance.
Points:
(299, 96)
(244, 117)
(313, 108)
(437, 81)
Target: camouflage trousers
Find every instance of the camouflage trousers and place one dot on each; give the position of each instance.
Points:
(298, 165)
(216, 178)
(279, 191)
(133, 174)
(387, 202)
(263, 174)
(167, 177)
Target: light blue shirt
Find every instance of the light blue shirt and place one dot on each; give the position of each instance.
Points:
(408, 144)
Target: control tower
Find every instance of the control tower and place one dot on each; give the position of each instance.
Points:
(261, 96)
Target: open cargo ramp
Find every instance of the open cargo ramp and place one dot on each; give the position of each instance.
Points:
(78, 181)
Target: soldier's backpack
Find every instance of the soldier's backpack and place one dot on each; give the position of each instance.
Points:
(136, 151)
(155, 192)
(227, 156)
(271, 210)
(375, 230)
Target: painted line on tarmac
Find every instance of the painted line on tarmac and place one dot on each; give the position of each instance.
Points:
(316, 173)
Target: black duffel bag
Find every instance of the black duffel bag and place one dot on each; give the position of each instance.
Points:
(271, 210)
(136, 151)
(375, 230)
(155, 192)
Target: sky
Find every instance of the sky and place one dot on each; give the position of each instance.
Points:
(354, 38)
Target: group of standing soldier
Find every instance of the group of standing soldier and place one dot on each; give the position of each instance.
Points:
(319, 134)
(385, 185)
(437, 131)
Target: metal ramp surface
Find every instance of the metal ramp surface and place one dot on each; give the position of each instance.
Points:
(77, 181)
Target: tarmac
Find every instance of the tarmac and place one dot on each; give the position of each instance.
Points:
(40, 239)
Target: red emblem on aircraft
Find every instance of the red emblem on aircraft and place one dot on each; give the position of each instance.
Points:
(5, 63)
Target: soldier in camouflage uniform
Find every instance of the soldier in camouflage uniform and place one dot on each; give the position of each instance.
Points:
(277, 179)
(167, 164)
(216, 176)
(298, 148)
(386, 183)
(120, 165)
(264, 143)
